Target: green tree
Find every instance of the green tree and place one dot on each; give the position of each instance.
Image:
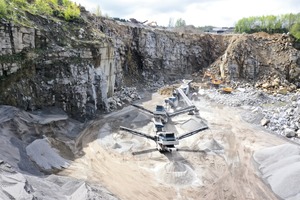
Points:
(171, 22)
(295, 31)
(289, 20)
(3, 8)
(98, 12)
(243, 25)
(180, 23)
(269, 23)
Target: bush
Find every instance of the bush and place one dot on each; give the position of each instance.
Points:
(71, 12)
(14, 10)
(21, 3)
(54, 2)
(43, 7)
(66, 3)
(3, 8)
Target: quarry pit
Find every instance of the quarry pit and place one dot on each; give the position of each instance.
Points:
(64, 97)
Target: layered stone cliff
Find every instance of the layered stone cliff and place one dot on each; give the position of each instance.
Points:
(56, 64)
(261, 58)
(77, 66)
(161, 54)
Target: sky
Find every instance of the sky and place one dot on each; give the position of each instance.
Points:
(218, 13)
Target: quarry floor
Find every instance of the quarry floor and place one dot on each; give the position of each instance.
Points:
(214, 164)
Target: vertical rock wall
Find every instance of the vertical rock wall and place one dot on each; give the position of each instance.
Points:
(259, 57)
(158, 54)
(36, 72)
(77, 67)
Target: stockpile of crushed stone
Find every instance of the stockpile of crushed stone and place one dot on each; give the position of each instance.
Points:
(176, 173)
(278, 113)
(14, 185)
(280, 167)
(239, 97)
(27, 150)
(122, 97)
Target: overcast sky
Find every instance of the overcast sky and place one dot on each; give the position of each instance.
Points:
(196, 12)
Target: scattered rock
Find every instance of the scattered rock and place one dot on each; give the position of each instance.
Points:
(266, 85)
(264, 121)
(124, 96)
(279, 113)
(289, 133)
(282, 91)
(298, 133)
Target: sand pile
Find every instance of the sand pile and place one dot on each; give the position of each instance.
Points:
(176, 173)
(280, 166)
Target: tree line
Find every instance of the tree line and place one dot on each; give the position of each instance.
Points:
(179, 23)
(270, 24)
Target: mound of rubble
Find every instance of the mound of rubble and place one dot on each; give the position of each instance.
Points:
(123, 97)
(276, 112)
(284, 119)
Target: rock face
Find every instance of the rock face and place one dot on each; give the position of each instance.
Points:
(41, 68)
(269, 60)
(160, 54)
(78, 69)
(78, 66)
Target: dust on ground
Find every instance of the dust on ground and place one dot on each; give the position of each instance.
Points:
(214, 164)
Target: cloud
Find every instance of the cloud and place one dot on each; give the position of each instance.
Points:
(196, 12)
(124, 8)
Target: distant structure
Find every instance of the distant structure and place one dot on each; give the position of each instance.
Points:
(222, 30)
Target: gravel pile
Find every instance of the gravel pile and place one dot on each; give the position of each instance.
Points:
(280, 167)
(276, 112)
(124, 96)
(239, 97)
(285, 119)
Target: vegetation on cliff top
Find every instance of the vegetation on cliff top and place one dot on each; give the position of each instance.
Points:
(14, 10)
(271, 24)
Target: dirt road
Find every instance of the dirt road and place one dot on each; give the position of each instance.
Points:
(214, 164)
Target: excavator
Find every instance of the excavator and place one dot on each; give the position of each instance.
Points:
(216, 82)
